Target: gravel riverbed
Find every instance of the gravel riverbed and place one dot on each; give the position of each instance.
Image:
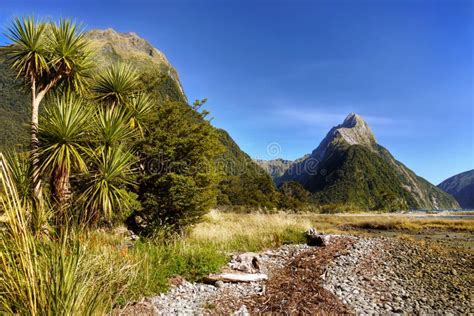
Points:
(384, 275)
(360, 275)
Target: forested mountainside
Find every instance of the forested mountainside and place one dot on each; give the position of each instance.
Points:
(350, 167)
(461, 186)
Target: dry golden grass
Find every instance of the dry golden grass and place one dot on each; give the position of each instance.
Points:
(225, 228)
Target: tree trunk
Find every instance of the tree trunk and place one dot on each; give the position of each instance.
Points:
(35, 101)
(36, 98)
(61, 190)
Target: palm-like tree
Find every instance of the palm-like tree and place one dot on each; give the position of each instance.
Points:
(140, 108)
(64, 135)
(105, 193)
(117, 88)
(116, 85)
(46, 55)
(111, 127)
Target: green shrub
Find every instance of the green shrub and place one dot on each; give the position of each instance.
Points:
(178, 183)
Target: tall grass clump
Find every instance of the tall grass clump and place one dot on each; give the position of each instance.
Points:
(52, 274)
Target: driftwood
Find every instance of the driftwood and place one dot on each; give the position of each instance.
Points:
(236, 277)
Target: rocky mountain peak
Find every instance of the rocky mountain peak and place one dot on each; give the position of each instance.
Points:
(127, 43)
(352, 120)
(355, 131)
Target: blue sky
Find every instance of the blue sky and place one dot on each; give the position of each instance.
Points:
(287, 71)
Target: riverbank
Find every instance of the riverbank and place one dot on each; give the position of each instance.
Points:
(211, 243)
(351, 275)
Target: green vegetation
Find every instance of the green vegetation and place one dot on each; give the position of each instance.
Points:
(14, 110)
(293, 196)
(359, 176)
(244, 182)
(94, 146)
(179, 181)
(44, 274)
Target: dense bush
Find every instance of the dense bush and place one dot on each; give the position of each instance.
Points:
(178, 181)
(293, 196)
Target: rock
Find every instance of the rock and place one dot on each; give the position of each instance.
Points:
(248, 262)
(313, 238)
(219, 284)
(242, 311)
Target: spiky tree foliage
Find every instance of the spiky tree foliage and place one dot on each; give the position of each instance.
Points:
(105, 192)
(116, 84)
(140, 108)
(44, 56)
(21, 175)
(71, 57)
(64, 135)
(111, 127)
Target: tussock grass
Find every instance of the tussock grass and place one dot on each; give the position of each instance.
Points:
(403, 223)
(57, 274)
(249, 232)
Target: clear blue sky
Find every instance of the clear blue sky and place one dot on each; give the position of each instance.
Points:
(287, 71)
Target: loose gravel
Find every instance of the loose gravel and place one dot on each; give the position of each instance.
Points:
(384, 276)
(374, 275)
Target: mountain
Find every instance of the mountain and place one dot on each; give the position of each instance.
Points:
(350, 167)
(461, 186)
(276, 167)
(161, 79)
(245, 182)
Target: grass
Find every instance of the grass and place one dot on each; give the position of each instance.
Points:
(210, 243)
(103, 269)
(398, 223)
(53, 273)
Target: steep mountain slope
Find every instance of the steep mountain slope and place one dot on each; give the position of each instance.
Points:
(350, 167)
(245, 182)
(14, 110)
(461, 186)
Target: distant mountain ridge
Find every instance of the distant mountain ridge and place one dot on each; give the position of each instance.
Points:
(461, 186)
(349, 166)
(276, 167)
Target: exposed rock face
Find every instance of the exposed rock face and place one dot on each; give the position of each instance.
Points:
(349, 166)
(461, 186)
(111, 46)
(276, 167)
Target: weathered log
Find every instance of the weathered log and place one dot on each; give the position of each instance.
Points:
(236, 277)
